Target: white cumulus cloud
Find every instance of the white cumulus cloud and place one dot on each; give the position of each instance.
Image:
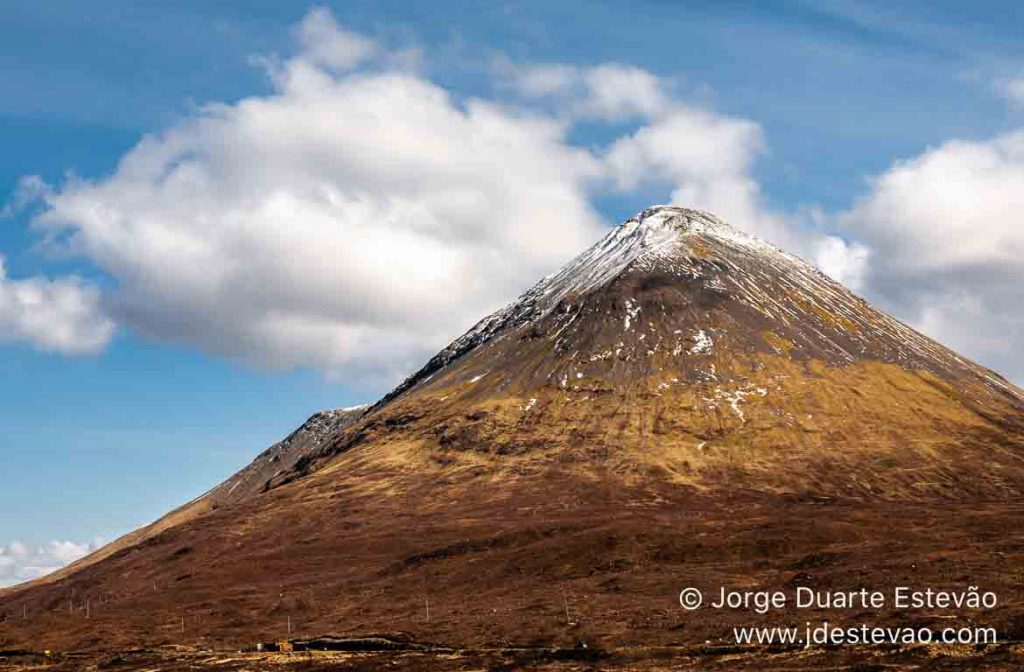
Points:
(327, 43)
(19, 562)
(946, 230)
(847, 262)
(61, 315)
(703, 158)
(361, 216)
(349, 221)
(609, 91)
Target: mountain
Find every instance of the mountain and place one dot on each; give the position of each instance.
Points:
(682, 404)
(307, 439)
(282, 457)
(680, 344)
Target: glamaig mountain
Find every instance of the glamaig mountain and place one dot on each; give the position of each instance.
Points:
(680, 405)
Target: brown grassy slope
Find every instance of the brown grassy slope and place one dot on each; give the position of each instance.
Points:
(246, 483)
(492, 564)
(717, 413)
(489, 511)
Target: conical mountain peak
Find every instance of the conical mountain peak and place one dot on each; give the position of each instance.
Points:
(660, 385)
(656, 234)
(681, 343)
(676, 289)
(676, 326)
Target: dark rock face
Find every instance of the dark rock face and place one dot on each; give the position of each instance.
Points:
(284, 455)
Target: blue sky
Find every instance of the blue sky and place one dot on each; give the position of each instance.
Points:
(100, 439)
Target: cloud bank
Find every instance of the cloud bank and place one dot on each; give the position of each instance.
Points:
(62, 315)
(20, 562)
(360, 216)
(946, 231)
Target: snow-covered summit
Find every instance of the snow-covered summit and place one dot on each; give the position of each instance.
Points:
(671, 220)
(655, 233)
(688, 272)
(657, 227)
(655, 236)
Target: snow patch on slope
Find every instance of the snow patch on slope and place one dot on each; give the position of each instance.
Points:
(702, 344)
